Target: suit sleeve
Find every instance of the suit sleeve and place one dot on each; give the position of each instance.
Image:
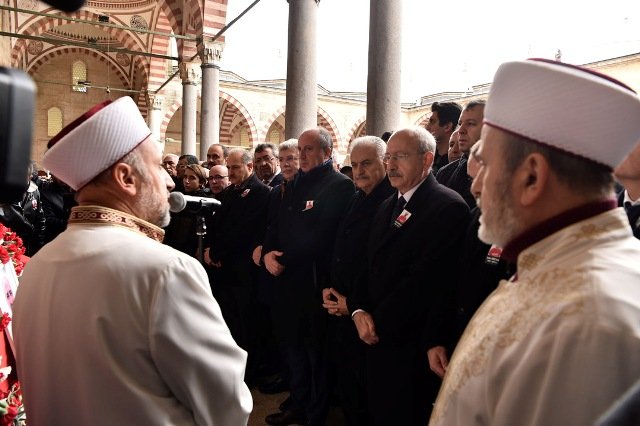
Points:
(193, 349)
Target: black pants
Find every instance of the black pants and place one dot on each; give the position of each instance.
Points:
(309, 383)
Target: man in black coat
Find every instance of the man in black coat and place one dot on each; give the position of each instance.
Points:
(454, 175)
(238, 224)
(298, 251)
(628, 174)
(479, 270)
(349, 264)
(267, 167)
(414, 240)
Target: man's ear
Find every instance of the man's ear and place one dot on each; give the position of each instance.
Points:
(250, 167)
(531, 179)
(427, 161)
(126, 178)
(448, 128)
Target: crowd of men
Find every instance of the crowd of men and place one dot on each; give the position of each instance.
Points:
(478, 267)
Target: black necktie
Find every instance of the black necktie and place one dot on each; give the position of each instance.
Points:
(398, 209)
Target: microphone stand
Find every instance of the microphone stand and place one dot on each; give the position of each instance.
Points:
(201, 231)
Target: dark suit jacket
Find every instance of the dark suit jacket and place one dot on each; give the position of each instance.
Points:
(410, 266)
(633, 213)
(349, 263)
(240, 221)
(474, 279)
(454, 175)
(305, 231)
(277, 180)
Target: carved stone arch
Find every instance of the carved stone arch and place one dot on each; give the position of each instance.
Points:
(60, 51)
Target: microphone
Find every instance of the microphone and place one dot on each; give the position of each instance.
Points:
(200, 205)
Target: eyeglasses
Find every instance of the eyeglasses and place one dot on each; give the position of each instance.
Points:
(288, 160)
(264, 160)
(398, 157)
(217, 177)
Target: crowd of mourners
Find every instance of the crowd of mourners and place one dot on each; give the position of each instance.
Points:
(356, 283)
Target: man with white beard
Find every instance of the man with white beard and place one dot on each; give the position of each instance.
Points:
(110, 325)
(558, 342)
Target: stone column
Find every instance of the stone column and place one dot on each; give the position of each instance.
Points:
(383, 82)
(211, 54)
(302, 97)
(155, 116)
(189, 76)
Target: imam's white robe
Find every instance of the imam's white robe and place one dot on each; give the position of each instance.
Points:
(113, 328)
(558, 345)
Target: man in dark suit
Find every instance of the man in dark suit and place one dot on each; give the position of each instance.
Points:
(442, 123)
(413, 244)
(238, 223)
(628, 174)
(349, 264)
(478, 272)
(454, 175)
(298, 251)
(265, 158)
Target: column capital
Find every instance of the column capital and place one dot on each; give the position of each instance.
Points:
(210, 52)
(190, 73)
(155, 101)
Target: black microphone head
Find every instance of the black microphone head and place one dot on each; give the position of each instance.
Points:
(177, 202)
(66, 5)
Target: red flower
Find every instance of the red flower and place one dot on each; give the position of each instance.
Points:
(7, 419)
(4, 321)
(4, 255)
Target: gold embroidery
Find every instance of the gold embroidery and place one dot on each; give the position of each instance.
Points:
(107, 216)
(529, 261)
(548, 286)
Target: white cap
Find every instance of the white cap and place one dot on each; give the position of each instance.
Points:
(576, 110)
(95, 141)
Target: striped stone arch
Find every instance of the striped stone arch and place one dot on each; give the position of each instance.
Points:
(325, 120)
(173, 13)
(214, 17)
(177, 103)
(129, 40)
(275, 126)
(160, 46)
(265, 129)
(253, 132)
(358, 129)
(61, 51)
(423, 120)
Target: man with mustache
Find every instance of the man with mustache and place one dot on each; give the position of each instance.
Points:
(412, 247)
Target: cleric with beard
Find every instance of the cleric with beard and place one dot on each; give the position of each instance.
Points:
(556, 344)
(110, 325)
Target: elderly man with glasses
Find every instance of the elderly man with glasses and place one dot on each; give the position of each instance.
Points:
(412, 247)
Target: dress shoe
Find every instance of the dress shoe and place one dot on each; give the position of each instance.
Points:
(277, 385)
(286, 418)
(286, 404)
